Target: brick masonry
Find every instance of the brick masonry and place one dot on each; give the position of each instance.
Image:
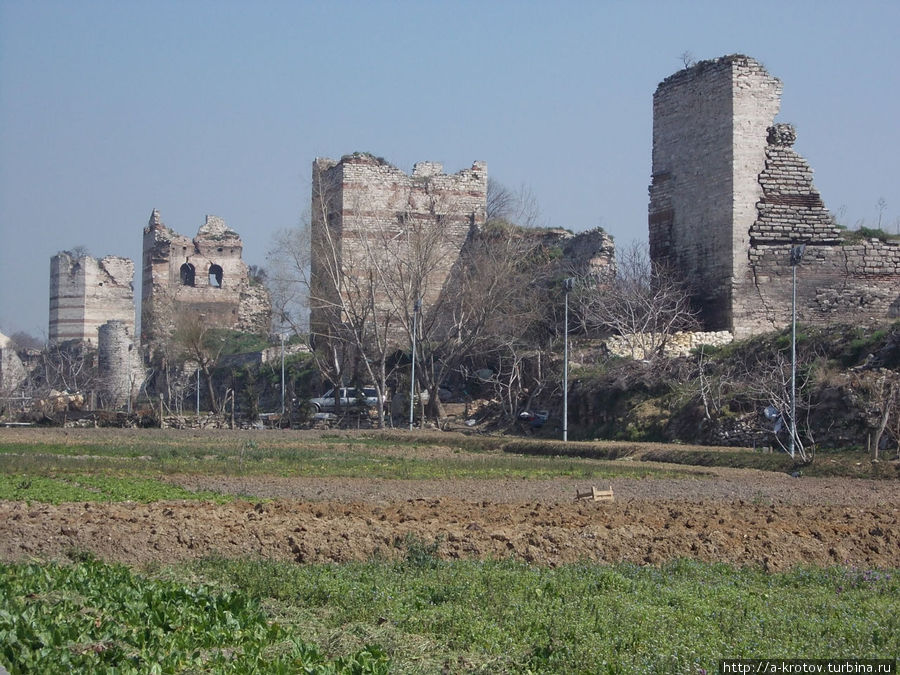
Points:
(365, 215)
(204, 278)
(12, 371)
(729, 197)
(119, 364)
(86, 292)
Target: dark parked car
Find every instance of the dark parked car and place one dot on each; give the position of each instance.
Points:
(350, 396)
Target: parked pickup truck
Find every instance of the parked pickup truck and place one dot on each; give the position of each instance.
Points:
(350, 396)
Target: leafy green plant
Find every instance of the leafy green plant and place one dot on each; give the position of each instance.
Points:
(419, 553)
(94, 617)
(507, 616)
(94, 488)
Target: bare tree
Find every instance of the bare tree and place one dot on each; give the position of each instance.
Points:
(519, 207)
(70, 366)
(881, 391)
(349, 289)
(644, 305)
(288, 277)
(769, 383)
(687, 58)
(200, 344)
(491, 307)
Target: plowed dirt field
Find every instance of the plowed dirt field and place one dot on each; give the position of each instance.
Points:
(745, 517)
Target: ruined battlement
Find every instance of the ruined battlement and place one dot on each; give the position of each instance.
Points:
(362, 207)
(202, 277)
(85, 292)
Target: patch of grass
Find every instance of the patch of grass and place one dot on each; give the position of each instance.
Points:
(506, 616)
(98, 618)
(843, 463)
(94, 488)
(745, 459)
(389, 454)
(854, 236)
(334, 456)
(598, 450)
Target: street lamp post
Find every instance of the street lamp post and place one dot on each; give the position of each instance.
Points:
(412, 378)
(796, 257)
(282, 374)
(198, 393)
(569, 284)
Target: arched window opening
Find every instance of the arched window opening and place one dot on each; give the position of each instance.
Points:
(187, 274)
(215, 276)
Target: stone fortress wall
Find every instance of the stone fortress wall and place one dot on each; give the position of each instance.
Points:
(729, 197)
(202, 279)
(87, 292)
(363, 208)
(12, 370)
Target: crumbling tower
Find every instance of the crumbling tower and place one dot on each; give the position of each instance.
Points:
(119, 364)
(709, 131)
(201, 279)
(86, 292)
(363, 207)
(730, 197)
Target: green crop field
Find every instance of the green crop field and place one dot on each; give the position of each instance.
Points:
(417, 614)
(422, 615)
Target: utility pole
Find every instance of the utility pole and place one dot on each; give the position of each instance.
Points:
(412, 378)
(282, 374)
(569, 284)
(796, 257)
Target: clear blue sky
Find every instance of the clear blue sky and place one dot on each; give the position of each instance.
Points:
(111, 109)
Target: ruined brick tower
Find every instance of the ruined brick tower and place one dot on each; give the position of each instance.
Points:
(119, 364)
(87, 292)
(729, 198)
(709, 130)
(200, 279)
(364, 209)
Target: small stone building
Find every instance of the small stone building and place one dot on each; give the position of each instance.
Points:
(87, 292)
(730, 197)
(202, 279)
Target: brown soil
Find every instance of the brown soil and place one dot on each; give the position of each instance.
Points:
(740, 516)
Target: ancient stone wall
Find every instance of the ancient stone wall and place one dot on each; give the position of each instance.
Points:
(368, 215)
(119, 364)
(590, 253)
(678, 344)
(12, 370)
(730, 197)
(202, 279)
(86, 292)
(704, 186)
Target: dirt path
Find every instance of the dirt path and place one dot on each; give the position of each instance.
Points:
(741, 517)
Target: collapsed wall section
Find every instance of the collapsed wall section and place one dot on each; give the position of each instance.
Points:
(86, 292)
(199, 279)
(730, 197)
(838, 280)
